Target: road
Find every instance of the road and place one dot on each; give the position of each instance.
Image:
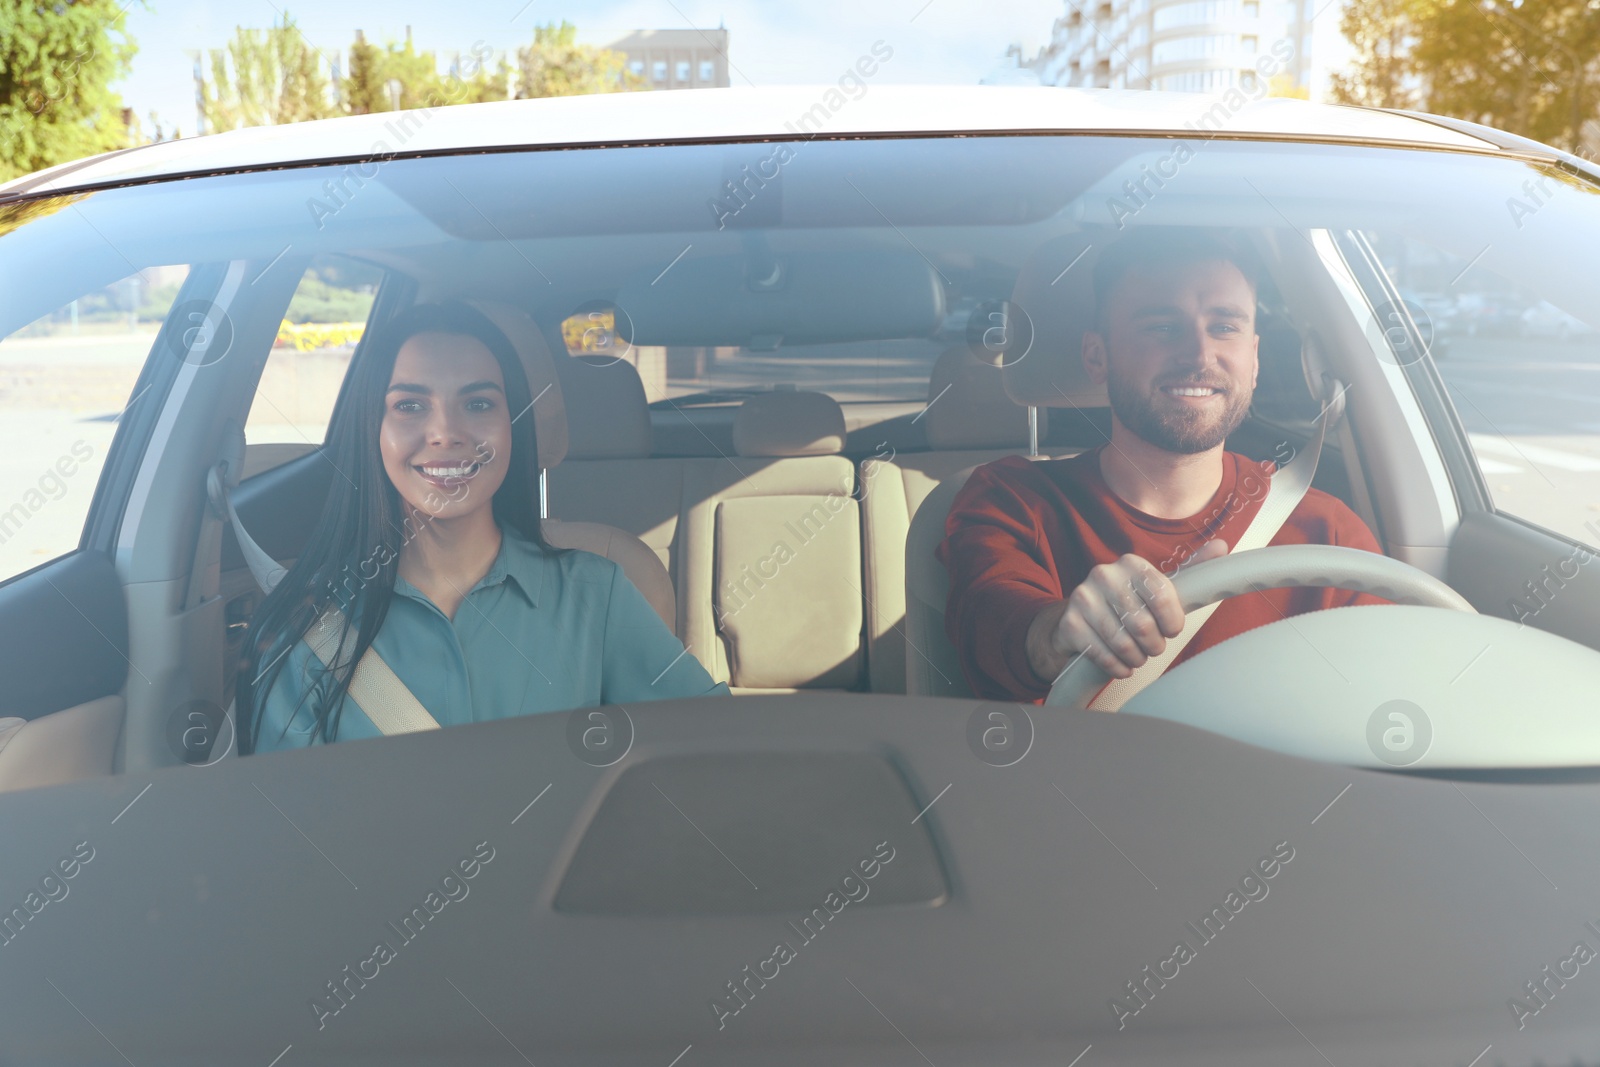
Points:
(1532, 409)
(59, 401)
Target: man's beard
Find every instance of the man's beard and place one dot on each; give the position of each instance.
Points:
(1177, 428)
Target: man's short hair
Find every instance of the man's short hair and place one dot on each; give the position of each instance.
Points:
(1164, 246)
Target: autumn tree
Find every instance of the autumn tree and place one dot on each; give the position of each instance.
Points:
(556, 65)
(266, 78)
(1529, 67)
(1382, 33)
(57, 63)
(1284, 85)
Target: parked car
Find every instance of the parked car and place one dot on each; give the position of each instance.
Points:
(1544, 319)
(1442, 311)
(1365, 835)
(1491, 314)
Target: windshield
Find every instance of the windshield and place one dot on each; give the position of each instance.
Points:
(741, 532)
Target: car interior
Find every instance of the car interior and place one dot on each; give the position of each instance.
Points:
(785, 467)
(781, 528)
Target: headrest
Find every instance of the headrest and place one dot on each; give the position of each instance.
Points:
(789, 423)
(1283, 389)
(608, 415)
(549, 412)
(968, 406)
(1055, 295)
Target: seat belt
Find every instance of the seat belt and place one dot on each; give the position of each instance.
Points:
(220, 479)
(374, 686)
(1288, 488)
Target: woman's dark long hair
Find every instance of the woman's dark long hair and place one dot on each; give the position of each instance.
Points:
(353, 555)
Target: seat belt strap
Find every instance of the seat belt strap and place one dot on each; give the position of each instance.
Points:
(222, 477)
(1289, 486)
(374, 686)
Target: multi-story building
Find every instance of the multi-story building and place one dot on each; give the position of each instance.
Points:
(677, 59)
(1192, 45)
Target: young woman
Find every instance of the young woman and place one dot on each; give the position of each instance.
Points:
(430, 547)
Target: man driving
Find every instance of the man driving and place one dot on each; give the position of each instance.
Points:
(1050, 560)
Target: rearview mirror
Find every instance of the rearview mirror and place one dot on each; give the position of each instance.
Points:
(796, 298)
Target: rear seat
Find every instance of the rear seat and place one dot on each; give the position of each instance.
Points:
(969, 420)
(764, 547)
(771, 560)
(777, 562)
(553, 430)
(608, 475)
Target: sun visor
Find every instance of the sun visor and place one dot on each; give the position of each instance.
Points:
(789, 298)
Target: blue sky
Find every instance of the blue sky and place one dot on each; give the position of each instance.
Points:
(771, 42)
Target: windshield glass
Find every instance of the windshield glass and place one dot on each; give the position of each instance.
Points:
(720, 272)
(715, 524)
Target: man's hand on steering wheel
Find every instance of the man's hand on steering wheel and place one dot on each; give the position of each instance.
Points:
(1119, 616)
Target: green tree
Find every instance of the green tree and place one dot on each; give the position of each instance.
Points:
(275, 76)
(366, 89)
(361, 88)
(57, 62)
(474, 83)
(556, 65)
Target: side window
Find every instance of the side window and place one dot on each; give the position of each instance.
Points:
(1521, 370)
(65, 380)
(294, 399)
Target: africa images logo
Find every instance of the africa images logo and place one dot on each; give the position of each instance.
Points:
(1252, 887)
(1000, 734)
(1399, 733)
(853, 889)
(452, 888)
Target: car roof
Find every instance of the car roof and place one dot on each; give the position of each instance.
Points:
(753, 113)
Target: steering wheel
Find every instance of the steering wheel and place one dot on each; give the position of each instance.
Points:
(1274, 568)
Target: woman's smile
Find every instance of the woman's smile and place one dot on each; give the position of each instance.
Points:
(446, 475)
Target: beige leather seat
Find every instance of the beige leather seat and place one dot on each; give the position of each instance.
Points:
(1055, 289)
(65, 746)
(763, 547)
(551, 428)
(770, 561)
(970, 420)
(607, 476)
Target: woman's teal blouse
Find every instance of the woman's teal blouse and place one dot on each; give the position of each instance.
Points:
(542, 631)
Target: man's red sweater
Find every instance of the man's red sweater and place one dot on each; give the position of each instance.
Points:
(1023, 534)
